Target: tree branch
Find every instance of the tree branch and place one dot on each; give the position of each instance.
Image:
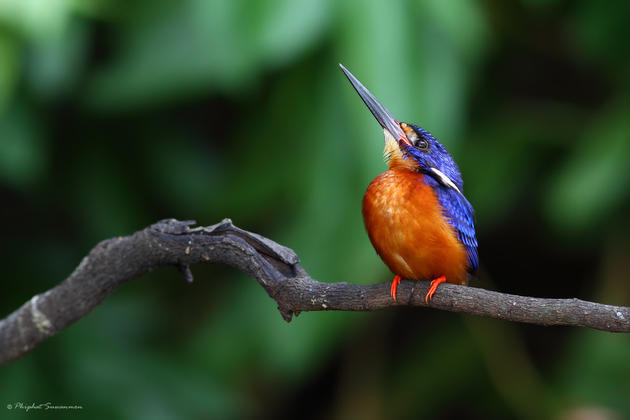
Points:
(171, 242)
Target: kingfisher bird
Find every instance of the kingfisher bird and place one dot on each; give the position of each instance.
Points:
(415, 213)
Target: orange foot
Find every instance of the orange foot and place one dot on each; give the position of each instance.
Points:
(392, 290)
(434, 285)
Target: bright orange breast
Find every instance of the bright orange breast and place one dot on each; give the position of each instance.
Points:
(405, 223)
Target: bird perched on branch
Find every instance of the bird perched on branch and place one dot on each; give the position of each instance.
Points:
(415, 213)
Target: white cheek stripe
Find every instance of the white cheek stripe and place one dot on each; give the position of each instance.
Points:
(446, 180)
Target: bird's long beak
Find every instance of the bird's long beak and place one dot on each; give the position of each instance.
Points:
(382, 115)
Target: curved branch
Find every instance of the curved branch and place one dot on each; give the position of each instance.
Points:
(171, 242)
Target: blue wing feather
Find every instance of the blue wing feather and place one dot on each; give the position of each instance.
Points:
(460, 214)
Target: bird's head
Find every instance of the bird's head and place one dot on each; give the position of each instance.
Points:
(409, 146)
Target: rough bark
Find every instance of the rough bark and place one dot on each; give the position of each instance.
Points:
(176, 243)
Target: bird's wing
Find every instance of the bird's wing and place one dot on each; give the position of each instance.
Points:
(460, 214)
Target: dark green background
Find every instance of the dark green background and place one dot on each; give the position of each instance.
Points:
(115, 114)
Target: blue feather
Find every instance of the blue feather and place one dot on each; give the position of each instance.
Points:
(460, 214)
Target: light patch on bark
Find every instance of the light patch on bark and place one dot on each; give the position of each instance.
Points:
(41, 322)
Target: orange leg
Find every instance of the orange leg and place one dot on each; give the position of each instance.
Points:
(434, 285)
(392, 290)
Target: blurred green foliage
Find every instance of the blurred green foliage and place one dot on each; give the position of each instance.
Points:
(116, 114)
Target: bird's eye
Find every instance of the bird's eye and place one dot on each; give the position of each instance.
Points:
(421, 144)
